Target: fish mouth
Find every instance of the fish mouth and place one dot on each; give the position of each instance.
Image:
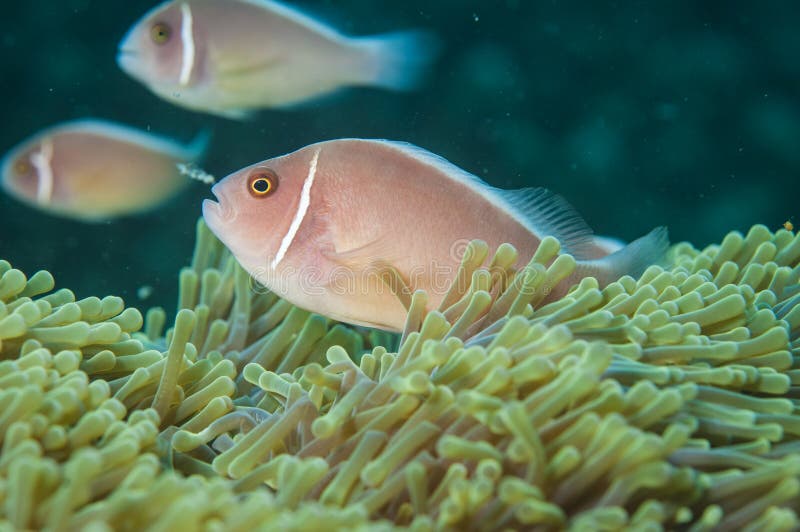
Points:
(217, 213)
(211, 210)
(127, 58)
(127, 51)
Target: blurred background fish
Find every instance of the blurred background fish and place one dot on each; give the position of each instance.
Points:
(93, 170)
(231, 57)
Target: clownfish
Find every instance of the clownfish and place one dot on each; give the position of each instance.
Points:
(93, 170)
(233, 57)
(314, 225)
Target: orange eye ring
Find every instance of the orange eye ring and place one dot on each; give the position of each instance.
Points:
(160, 32)
(262, 183)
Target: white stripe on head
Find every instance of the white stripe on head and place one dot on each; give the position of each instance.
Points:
(42, 161)
(187, 40)
(302, 208)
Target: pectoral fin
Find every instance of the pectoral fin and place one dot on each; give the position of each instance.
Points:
(377, 251)
(240, 71)
(377, 259)
(239, 87)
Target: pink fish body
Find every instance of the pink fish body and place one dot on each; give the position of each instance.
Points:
(231, 57)
(94, 170)
(317, 225)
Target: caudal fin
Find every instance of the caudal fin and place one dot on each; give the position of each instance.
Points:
(397, 61)
(631, 260)
(196, 149)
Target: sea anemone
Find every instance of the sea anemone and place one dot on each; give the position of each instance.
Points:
(663, 401)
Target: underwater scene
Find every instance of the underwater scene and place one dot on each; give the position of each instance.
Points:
(382, 265)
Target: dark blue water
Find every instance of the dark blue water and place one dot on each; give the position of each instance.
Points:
(645, 113)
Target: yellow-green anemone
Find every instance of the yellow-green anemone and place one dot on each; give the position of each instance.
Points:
(666, 401)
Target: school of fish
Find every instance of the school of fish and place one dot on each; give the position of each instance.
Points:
(321, 225)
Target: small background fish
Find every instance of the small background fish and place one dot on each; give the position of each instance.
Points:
(230, 57)
(94, 170)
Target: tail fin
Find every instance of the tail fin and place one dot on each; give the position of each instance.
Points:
(196, 149)
(631, 260)
(398, 61)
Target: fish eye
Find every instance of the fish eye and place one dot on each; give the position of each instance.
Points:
(262, 183)
(160, 32)
(22, 167)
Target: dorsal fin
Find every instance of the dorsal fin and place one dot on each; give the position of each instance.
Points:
(550, 215)
(541, 211)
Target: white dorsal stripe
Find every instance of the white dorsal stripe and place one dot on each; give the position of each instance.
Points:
(42, 161)
(302, 208)
(187, 39)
